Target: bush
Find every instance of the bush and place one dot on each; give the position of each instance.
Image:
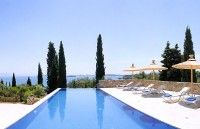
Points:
(82, 83)
(39, 91)
(26, 94)
(20, 93)
(9, 99)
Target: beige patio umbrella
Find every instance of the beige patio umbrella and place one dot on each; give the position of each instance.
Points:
(131, 69)
(191, 64)
(153, 66)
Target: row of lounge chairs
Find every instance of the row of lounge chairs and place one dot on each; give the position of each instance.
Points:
(149, 91)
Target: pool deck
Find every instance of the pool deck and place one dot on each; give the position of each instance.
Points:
(10, 113)
(173, 114)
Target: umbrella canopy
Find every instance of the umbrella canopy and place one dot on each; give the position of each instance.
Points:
(191, 64)
(153, 66)
(132, 68)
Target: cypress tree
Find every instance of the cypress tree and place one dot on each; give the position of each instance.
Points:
(62, 67)
(40, 77)
(55, 72)
(51, 68)
(29, 82)
(2, 81)
(100, 69)
(165, 56)
(13, 80)
(175, 74)
(188, 50)
(171, 56)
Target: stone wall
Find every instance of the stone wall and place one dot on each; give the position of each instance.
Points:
(171, 86)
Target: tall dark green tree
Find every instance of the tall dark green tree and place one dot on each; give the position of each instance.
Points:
(188, 50)
(165, 62)
(40, 77)
(29, 81)
(55, 72)
(13, 80)
(52, 62)
(2, 81)
(100, 69)
(62, 68)
(175, 74)
(170, 56)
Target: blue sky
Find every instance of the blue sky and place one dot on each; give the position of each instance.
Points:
(133, 31)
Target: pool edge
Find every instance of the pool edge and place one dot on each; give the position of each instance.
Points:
(34, 106)
(137, 109)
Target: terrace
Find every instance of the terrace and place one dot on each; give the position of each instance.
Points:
(182, 117)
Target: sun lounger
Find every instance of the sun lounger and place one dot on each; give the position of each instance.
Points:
(169, 98)
(192, 100)
(153, 91)
(140, 90)
(126, 85)
(148, 88)
(132, 87)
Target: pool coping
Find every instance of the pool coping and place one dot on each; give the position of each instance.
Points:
(34, 106)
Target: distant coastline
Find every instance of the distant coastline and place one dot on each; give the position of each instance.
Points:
(22, 79)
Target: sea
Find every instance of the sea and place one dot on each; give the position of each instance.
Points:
(23, 79)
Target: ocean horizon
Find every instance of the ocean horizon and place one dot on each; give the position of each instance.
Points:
(23, 79)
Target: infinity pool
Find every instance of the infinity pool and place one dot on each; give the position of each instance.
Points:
(86, 109)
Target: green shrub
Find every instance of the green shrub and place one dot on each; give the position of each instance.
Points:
(13, 91)
(39, 91)
(2, 86)
(20, 93)
(9, 99)
(26, 94)
(82, 83)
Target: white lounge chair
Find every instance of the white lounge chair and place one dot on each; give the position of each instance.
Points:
(126, 85)
(170, 98)
(193, 101)
(132, 87)
(154, 91)
(140, 90)
(148, 88)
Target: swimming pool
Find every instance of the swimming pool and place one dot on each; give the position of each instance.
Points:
(86, 109)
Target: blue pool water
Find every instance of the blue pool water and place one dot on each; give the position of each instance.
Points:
(86, 109)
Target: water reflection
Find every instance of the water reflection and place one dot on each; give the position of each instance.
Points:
(58, 101)
(52, 106)
(100, 98)
(62, 104)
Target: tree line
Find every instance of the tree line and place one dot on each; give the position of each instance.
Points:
(28, 82)
(56, 64)
(172, 56)
(56, 68)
